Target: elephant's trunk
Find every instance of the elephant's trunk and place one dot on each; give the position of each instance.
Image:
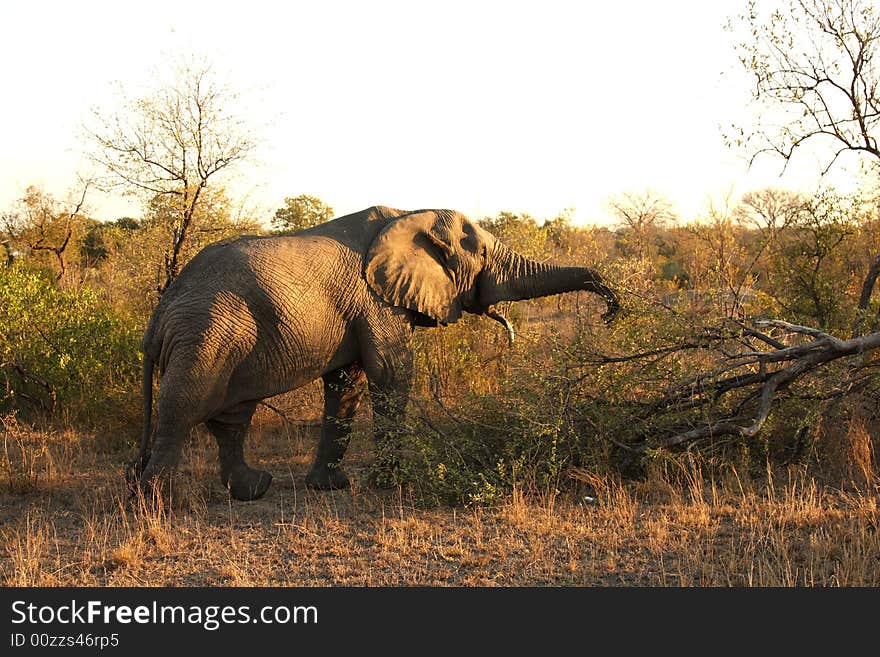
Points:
(512, 277)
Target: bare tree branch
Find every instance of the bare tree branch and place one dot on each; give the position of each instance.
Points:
(59, 249)
(816, 77)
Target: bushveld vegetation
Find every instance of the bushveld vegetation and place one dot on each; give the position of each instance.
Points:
(546, 462)
(722, 431)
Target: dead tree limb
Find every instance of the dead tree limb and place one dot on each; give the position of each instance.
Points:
(792, 362)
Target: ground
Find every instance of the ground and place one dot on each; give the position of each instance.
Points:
(65, 520)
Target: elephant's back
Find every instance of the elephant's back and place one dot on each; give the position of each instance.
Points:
(255, 264)
(219, 266)
(298, 259)
(249, 294)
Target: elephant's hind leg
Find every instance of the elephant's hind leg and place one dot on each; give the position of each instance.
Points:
(175, 418)
(156, 480)
(343, 390)
(243, 481)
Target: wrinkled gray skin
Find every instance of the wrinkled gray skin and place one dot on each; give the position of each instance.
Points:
(253, 317)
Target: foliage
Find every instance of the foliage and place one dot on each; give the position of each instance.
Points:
(574, 396)
(65, 352)
(301, 212)
(485, 420)
(809, 264)
(571, 396)
(799, 250)
(131, 269)
(96, 244)
(640, 216)
(519, 232)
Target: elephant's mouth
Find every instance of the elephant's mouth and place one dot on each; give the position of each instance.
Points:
(420, 319)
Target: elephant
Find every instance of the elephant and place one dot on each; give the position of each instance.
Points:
(254, 316)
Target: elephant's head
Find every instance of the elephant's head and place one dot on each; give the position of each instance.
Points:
(438, 263)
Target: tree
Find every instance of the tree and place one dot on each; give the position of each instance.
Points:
(518, 231)
(717, 258)
(98, 242)
(816, 81)
(170, 144)
(769, 210)
(559, 228)
(809, 261)
(801, 249)
(301, 212)
(40, 224)
(816, 78)
(640, 215)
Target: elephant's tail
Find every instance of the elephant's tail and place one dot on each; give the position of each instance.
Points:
(136, 467)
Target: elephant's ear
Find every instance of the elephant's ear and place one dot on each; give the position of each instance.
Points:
(407, 265)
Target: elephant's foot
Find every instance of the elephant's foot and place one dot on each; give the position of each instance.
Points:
(245, 483)
(324, 477)
(153, 490)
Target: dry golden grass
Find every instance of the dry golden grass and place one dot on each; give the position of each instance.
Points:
(65, 520)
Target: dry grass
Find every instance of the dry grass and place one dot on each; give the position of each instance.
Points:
(64, 520)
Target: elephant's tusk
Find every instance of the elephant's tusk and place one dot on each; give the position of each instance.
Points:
(498, 317)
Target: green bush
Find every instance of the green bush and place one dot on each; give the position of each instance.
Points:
(486, 418)
(64, 351)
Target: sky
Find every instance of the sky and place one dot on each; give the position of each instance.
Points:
(480, 106)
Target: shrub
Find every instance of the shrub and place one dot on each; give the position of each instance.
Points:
(64, 350)
(486, 418)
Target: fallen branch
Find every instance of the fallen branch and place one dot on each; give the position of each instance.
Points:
(800, 359)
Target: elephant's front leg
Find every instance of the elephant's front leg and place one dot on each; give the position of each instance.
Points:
(389, 404)
(389, 394)
(343, 390)
(243, 481)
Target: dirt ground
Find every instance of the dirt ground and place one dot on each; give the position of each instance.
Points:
(65, 519)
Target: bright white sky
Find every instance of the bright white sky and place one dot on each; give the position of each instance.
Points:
(477, 106)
